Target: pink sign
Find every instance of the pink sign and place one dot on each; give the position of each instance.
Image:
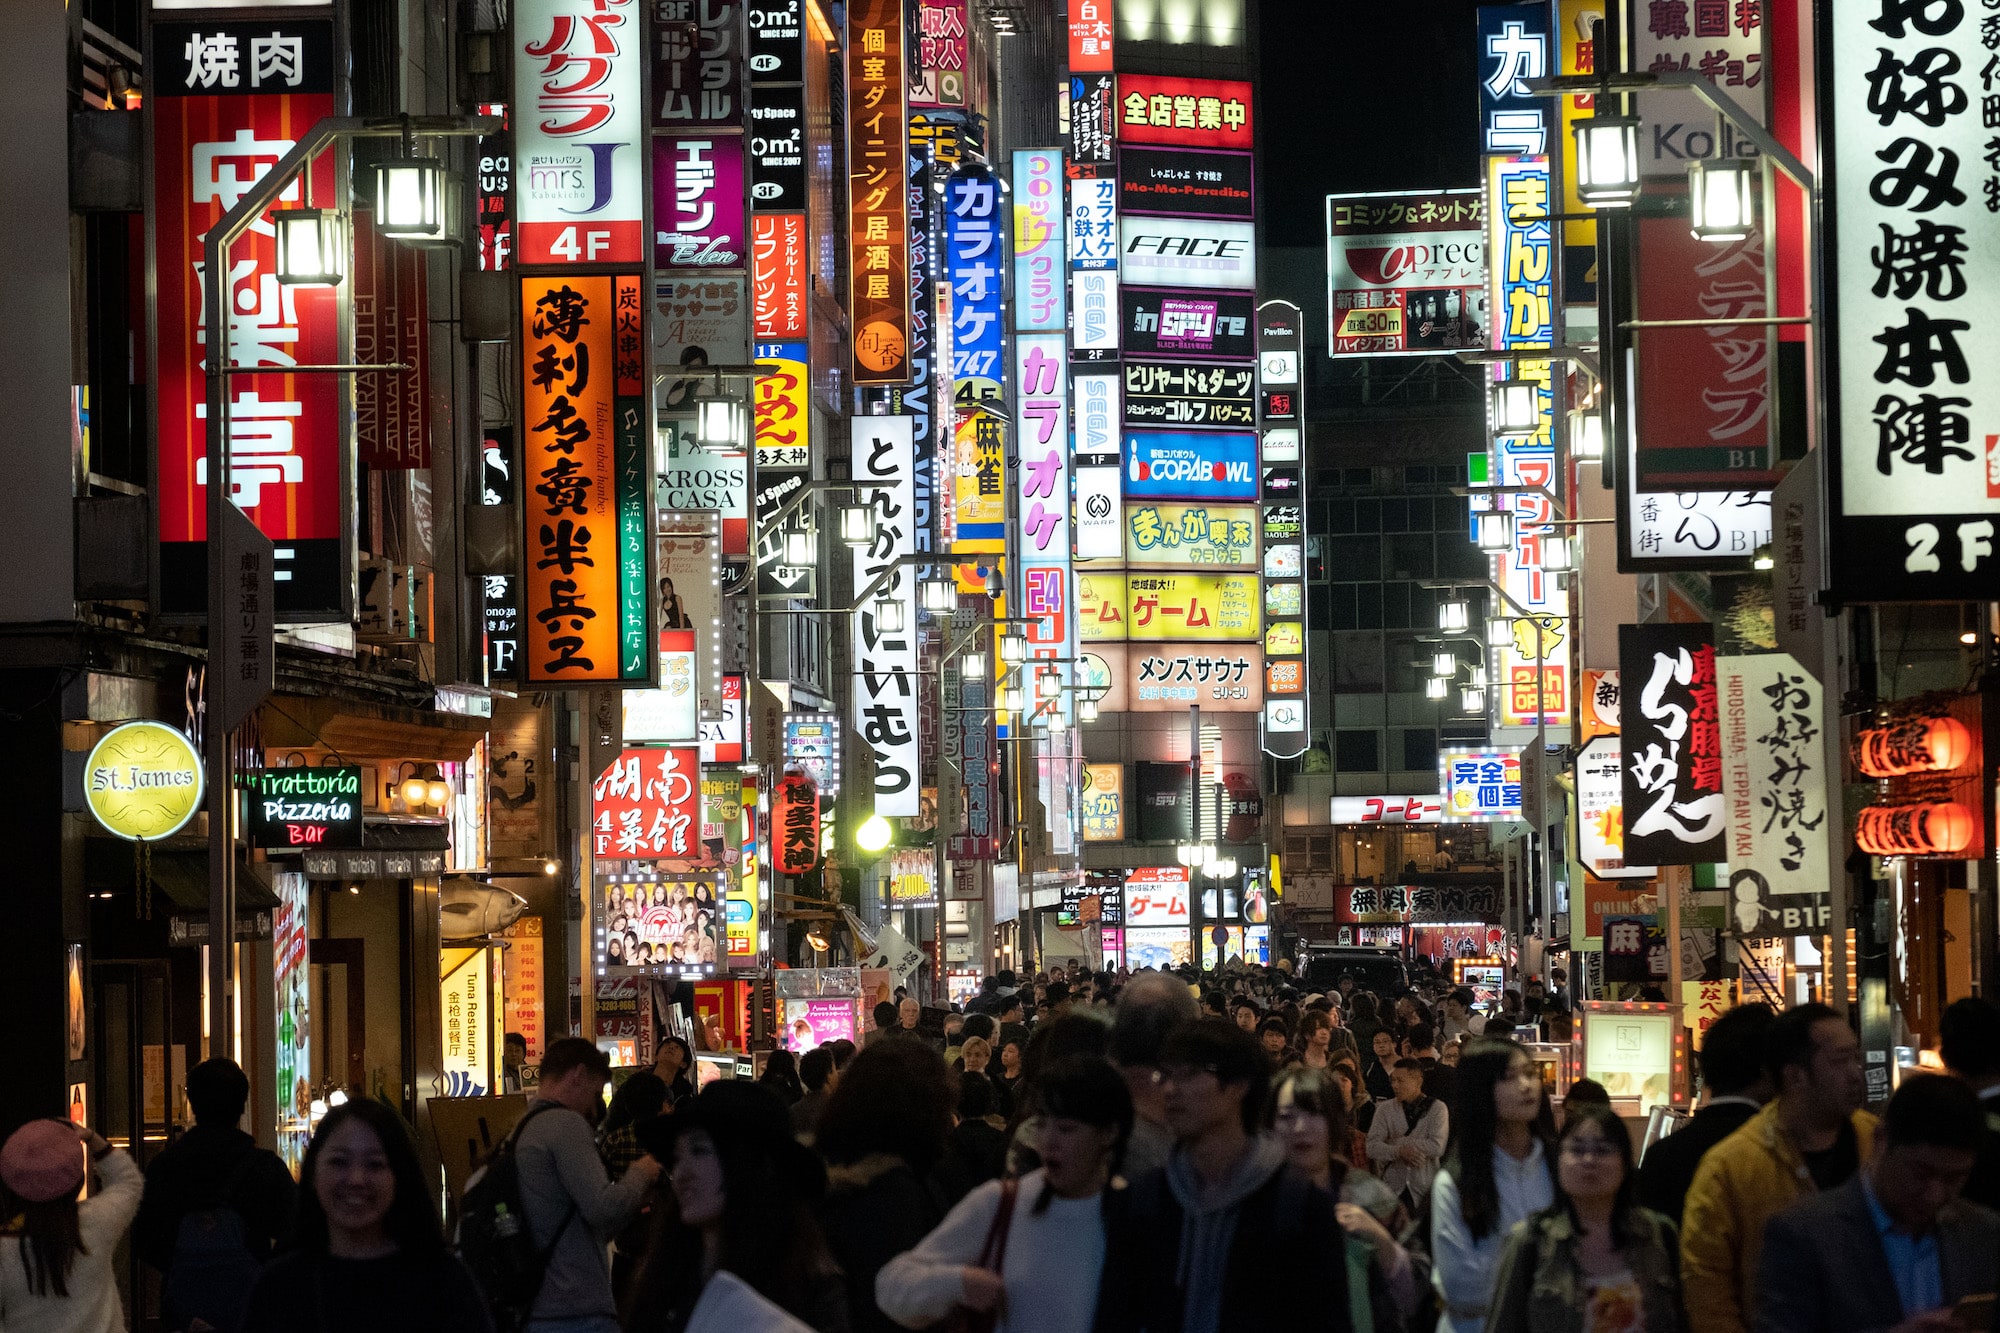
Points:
(810, 1023)
(700, 216)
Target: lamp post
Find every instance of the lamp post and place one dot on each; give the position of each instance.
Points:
(217, 730)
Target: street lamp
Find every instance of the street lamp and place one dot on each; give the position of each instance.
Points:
(1499, 630)
(1454, 616)
(1472, 700)
(1722, 192)
(312, 246)
(1010, 698)
(409, 198)
(857, 525)
(719, 424)
(972, 665)
(1496, 530)
(874, 834)
(1517, 407)
(1586, 437)
(1013, 649)
(1559, 553)
(1048, 686)
(799, 547)
(888, 612)
(1444, 665)
(939, 595)
(1607, 161)
(1086, 708)
(1434, 688)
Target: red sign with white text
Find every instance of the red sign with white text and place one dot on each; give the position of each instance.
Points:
(647, 806)
(1089, 36)
(778, 266)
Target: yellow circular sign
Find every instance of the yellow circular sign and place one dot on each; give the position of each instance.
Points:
(143, 780)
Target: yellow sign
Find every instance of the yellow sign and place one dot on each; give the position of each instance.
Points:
(1191, 534)
(1579, 56)
(1284, 638)
(979, 483)
(467, 1019)
(143, 781)
(1100, 607)
(1205, 607)
(1103, 802)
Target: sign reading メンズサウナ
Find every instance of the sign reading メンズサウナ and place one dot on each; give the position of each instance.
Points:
(1913, 484)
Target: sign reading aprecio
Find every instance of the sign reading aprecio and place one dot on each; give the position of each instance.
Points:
(307, 807)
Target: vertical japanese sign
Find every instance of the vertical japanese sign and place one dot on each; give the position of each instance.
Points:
(647, 805)
(795, 814)
(976, 265)
(1520, 253)
(779, 268)
(700, 216)
(392, 411)
(1576, 53)
(1039, 227)
(1723, 42)
(1089, 35)
(1042, 542)
(885, 659)
(698, 64)
(1099, 415)
(783, 427)
(1675, 810)
(1774, 770)
(878, 203)
(1914, 271)
(1513, 48)
(1281, 357)
(228, 100)
(744, 900)
(1093, 257)
(586, 461)
(579, 132)
(1093, 118)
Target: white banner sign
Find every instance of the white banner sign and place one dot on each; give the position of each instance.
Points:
(1188, 252)
(579, 132)
(1774, 769)
(1600, 811)
(885, 659)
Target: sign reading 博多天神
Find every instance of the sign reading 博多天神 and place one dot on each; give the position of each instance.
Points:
(143, 781)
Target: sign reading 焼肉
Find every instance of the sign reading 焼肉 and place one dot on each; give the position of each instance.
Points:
(306, 807)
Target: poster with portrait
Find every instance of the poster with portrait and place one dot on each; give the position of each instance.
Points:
(671, 924)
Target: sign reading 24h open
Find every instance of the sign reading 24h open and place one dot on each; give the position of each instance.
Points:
(1914, 267)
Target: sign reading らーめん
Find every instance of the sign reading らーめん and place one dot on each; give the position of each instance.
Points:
(306, 807)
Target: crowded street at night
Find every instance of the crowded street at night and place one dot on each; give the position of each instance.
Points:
(1001, 666)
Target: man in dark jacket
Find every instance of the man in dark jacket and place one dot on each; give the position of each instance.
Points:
(235, 1198)
(1969, 1040)
(1732, 1069)
(1202, 1245)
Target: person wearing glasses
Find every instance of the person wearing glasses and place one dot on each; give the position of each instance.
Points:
(1593, 1261)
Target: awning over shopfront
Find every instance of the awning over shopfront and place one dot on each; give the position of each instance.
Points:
(177, 874)
(363, 731)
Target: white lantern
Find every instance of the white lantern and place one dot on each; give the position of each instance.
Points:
(1722, 196)
(888, 612)
(857, 525)
(1607, 161)
(1444, 665)
(1434, 688)
(1454, 616)
(1516, 407)
(1496, 530)
(409, 198)
(312, 246)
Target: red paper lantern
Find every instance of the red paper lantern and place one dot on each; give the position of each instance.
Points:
(1913, 745)
(1927, 828)
(796, 824)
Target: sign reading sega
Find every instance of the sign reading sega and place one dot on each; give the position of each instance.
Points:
(1194, 465)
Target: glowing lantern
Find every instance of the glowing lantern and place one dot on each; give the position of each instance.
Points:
(1913, 745)
(1927, 828)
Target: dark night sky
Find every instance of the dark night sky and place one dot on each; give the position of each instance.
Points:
(1363, 95)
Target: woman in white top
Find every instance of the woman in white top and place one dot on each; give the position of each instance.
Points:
(56, 1267)
(1497, 1175)
(1031, 1250)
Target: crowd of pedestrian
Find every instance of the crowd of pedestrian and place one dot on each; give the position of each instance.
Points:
(1155, 1155)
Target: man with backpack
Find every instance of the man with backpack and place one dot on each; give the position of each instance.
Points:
(573, 1206)
(214, 1207)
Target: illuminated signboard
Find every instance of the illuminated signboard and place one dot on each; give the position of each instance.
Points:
(1480, 786)
(1156, 896)
(878, 200)
(976, 265)
(579, 128)
(1184, 184)
(1207, 324)
(1406, 273)
(647, 805)
(885, 660)
(306, 807)
(1188, 252)
(1039, 231)
(698, 62)
(1201, 607)
(1220, 536)
(1194, 465)
(1103, 802)
(1186, 393)
(586, 456)
(700, 214)
(1221, 678)
(1090, 35)
(1197, 113)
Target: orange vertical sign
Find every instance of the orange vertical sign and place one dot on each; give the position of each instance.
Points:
(878, 192)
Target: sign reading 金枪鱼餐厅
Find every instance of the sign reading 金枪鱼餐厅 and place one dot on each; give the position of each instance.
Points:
(1913, 271)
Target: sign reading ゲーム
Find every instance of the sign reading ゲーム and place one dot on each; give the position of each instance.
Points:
(306, 807)
(143, 780)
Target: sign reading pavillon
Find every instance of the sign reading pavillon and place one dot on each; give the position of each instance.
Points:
(1914, 288)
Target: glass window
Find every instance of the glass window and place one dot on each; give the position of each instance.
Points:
(1367, 515)
(1369, 596)
(1420, 749)
(1357, 751)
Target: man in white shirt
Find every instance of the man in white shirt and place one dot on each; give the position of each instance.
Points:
(1408, 1136)
(1459, 1020)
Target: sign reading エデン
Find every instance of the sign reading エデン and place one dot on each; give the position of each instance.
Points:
(228, 100)
(1914, 268)
(143, 781)
(579, 130)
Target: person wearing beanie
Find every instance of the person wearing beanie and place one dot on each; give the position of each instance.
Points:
(56, 1273)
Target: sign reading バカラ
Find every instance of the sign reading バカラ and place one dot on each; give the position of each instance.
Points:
(143, 781)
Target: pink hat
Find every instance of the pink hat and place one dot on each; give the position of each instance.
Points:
(42, 1161)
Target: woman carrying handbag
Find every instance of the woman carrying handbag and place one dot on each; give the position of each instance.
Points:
(1025, 1255)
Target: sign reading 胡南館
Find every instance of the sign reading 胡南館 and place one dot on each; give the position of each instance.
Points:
(885, 660)
(1193, 113)
(579, 130)
(1676, 812)
(1913, 472)
(143, 781)
(1406, 272)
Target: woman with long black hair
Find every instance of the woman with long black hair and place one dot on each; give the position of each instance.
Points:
(1029, 1250)
(739, 1191)
(368, 1251)
(56, 1273)
(1497, 1173)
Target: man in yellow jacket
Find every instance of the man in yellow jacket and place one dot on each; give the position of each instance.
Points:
(1813, 1137)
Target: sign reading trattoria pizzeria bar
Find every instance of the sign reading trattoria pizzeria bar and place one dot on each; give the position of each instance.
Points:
(1914, 293)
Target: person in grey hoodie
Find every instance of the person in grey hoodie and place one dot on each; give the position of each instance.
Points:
(574, 1208)
(1209, 1243)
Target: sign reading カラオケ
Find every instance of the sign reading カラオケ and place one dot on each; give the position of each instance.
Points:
(1913, 482)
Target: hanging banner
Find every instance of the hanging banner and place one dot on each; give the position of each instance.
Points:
(1774, 769)
(647, 805)
(979, 497)
(885, 658)
(1600, 811)
(587, 456)
(1913, 272)
(495, 216)
(228, 100)
(878, 201)
(980, 768)
(701, 216)
(1040, 287)
(579, 132)
(1090, 35)
(976, 260)
(1197, 113)
(699, 71)
(1576, 53)
(391, 326)
(1406, 273)
(795, 821)
(1675, 809)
